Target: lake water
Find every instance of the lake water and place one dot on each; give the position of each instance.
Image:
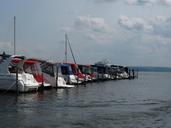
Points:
(141, 103)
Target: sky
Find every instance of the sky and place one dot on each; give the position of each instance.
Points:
(124, 32)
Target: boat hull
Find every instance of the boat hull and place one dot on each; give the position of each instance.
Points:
(24, 84)
(52, 80)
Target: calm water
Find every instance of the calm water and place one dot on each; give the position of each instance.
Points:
(139, 103)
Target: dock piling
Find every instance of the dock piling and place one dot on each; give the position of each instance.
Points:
(17, 86)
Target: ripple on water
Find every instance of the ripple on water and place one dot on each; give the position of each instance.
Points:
(141, 103)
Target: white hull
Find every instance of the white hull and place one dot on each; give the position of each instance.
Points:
(52, 80)
(62, 83)
(26, 83)
(71, 79)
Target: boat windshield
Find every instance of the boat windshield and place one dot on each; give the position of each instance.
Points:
(86, 70)
(66, 70)
(32, 68)
(13, 69)
(48, 69)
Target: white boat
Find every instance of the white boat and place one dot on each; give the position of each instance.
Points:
(8, 75)
(68, 75)
(52, 74)
(33, 67)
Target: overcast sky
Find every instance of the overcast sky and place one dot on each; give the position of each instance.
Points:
(126, 32)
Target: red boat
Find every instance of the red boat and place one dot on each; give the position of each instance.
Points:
(87, 72)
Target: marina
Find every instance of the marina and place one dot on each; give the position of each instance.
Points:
(23, 74)
(20, 74)
(85, 64)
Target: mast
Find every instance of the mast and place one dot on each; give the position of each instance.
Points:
(14, 35)
(71, 51)
(66, 41)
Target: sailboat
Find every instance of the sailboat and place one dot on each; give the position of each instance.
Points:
(74, 76)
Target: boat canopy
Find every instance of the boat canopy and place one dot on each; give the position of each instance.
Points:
(66, 69)
(31, 67)
(75, 69)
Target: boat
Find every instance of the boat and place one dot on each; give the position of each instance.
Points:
(120, 72)
(71, 70)
(53, 75)
(33, 67)
(69, 77)
(13, 77)
(76, 72)
(87, 72)
(102, 71)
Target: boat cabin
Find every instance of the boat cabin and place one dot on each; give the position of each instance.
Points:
(76, 71)
(12, 72)
(31, 67)
(87, 71)
(102, 71)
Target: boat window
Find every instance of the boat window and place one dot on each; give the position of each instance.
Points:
(100, 70)
(32, 68)
(64, 70)
(94, 69)
(58, 70)
(1, 59)
(13, 69)
(27, 68)
(86, 70)
(48, 69)
(74, 69)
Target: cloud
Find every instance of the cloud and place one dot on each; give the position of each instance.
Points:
(95, 24)
(166, 2)
(159, 25)
(91, 28)
(149, 2)
(105, 1)
(94, 29)
(162, 26)
(134, 24)
(138, 2)
(141, 2)
(160, 19)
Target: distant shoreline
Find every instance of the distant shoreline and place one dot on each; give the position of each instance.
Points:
(151, 69)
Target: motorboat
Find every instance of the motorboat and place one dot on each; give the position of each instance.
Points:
(33, 67)
(102, 72)
(53, 75)
(13, 77)
(73, 72)
(69, 77)
(87, 71)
